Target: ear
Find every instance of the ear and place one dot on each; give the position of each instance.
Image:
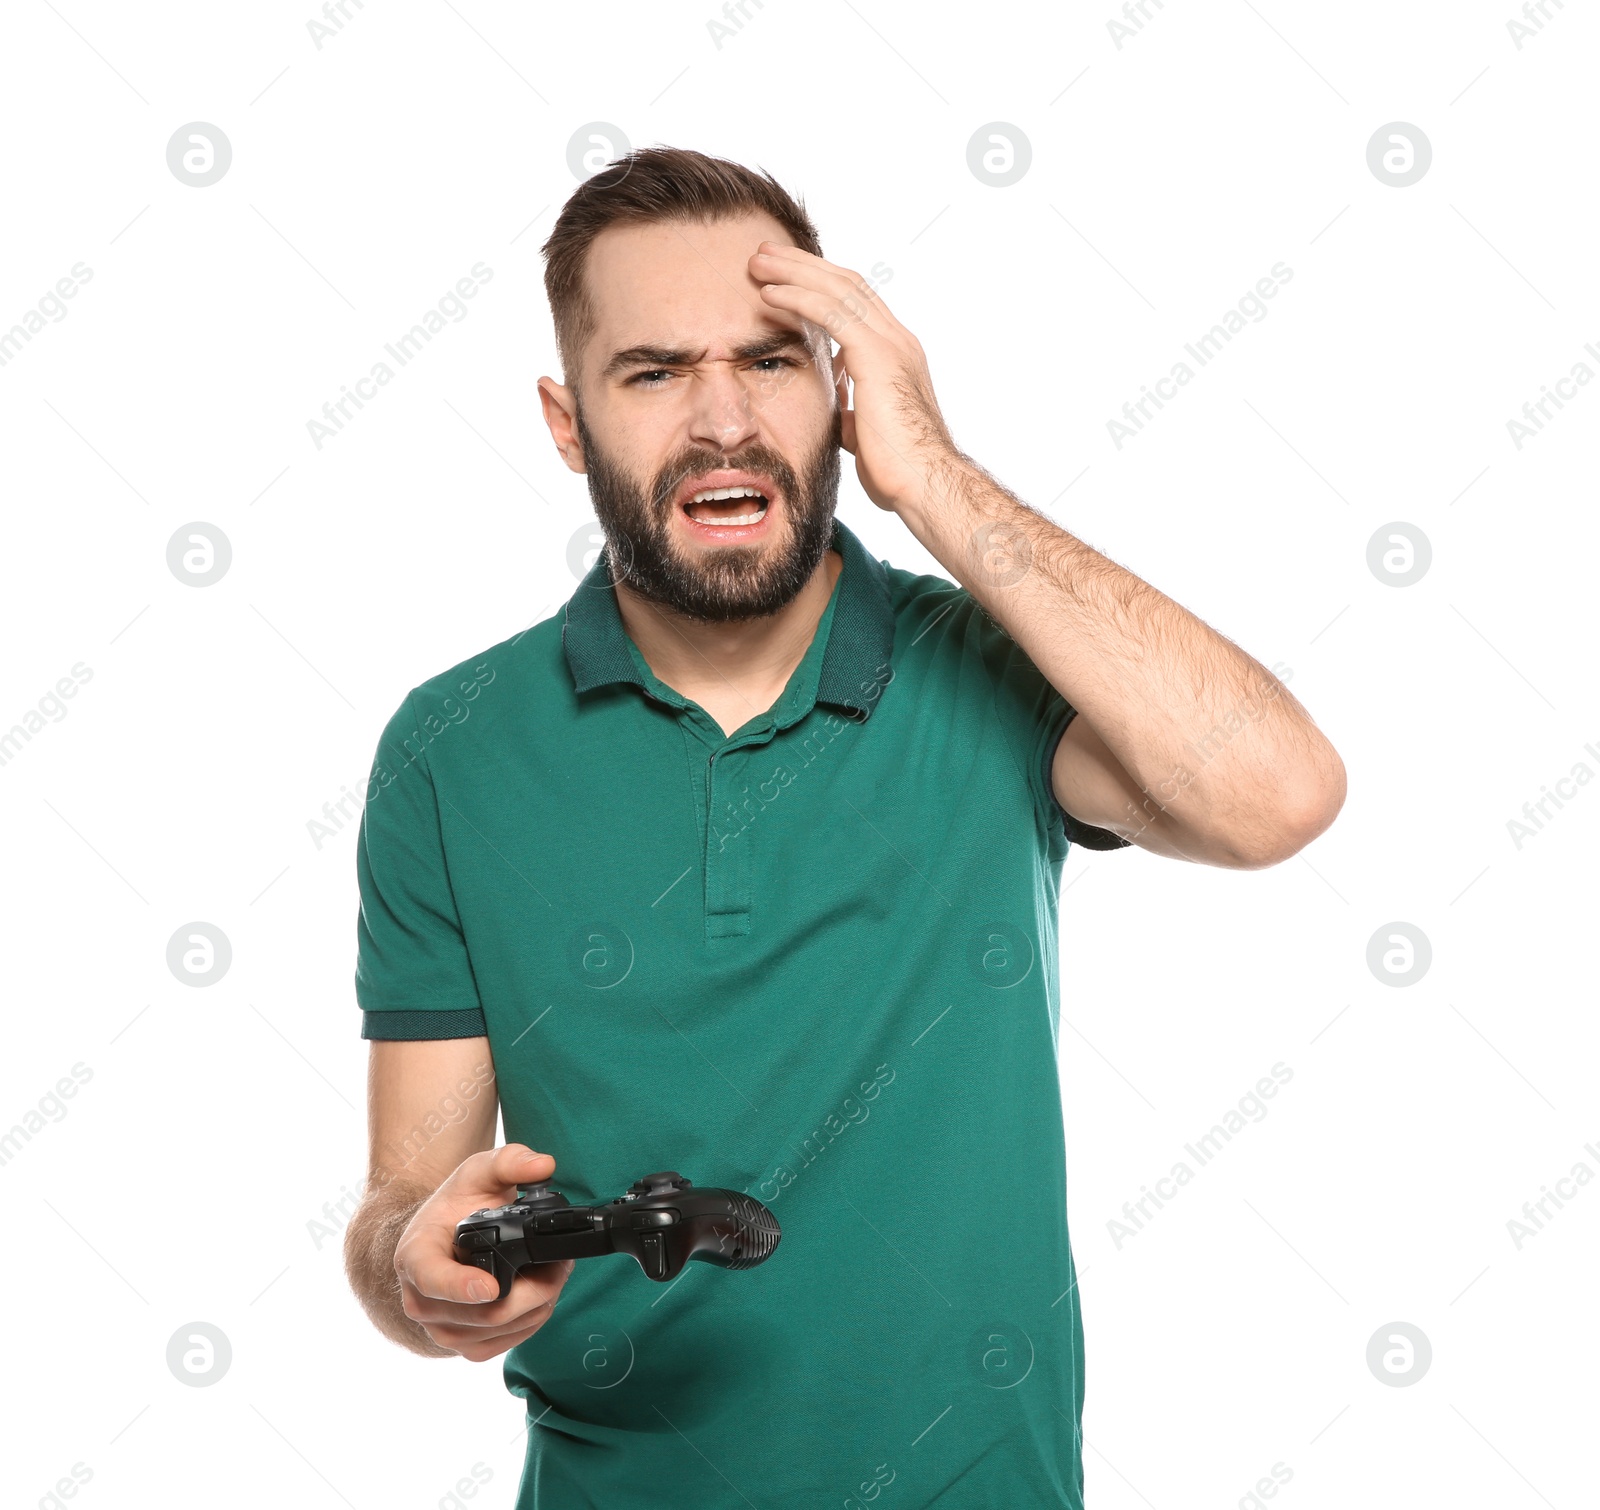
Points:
(560, 411)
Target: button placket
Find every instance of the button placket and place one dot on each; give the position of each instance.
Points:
(727, 898)
(728, 858)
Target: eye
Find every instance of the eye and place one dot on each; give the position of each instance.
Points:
(651, 379)
(773, 361)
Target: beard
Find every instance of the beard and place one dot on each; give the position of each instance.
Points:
(736, 581)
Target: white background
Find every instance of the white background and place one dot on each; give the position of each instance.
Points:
(1167, 176)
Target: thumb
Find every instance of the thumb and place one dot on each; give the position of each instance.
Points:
(516, 1164)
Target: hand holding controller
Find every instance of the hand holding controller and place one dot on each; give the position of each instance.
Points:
(662, 1222)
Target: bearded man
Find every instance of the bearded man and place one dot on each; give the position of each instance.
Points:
(745, 864)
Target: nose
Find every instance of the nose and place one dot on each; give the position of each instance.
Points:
(722, 413)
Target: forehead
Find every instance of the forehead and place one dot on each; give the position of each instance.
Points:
(680, 284)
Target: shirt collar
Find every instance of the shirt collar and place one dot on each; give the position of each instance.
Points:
(855, 663)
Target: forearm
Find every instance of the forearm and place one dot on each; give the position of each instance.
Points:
(1154, 682)
(369, 1245)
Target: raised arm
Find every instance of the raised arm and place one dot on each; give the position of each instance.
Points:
(1183, 744)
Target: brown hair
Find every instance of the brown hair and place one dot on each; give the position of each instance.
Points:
(652, 185)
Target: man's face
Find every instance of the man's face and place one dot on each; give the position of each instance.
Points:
(693, 386)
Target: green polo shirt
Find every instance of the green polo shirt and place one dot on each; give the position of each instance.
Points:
(814, 960)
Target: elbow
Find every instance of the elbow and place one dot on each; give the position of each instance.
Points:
(1303, 811)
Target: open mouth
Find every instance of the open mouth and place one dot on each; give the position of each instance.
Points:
(737, 506)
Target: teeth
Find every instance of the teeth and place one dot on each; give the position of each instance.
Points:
(740, 519)
(714, 495)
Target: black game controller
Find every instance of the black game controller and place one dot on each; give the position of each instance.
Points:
(663, 1221)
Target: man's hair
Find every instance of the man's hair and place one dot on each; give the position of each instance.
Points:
(651, 186)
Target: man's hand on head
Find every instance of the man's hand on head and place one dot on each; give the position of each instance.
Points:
(890, 420)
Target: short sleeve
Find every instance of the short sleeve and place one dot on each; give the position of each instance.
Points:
(413, 975)
(1035, 716)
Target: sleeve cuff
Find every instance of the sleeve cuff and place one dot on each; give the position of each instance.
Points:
(390, 1026)
(1078, 832)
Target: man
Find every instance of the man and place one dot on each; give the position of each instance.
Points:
(745, 865)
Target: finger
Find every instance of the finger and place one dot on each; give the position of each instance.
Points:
(476, 1326)
(798, 257)
(789, 264)
(514, 1164)
(467, 1296)
(480, 1349)
(848, 321)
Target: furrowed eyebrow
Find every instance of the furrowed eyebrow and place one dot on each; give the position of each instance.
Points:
(770, 346)
(668, 356)
(646, 356)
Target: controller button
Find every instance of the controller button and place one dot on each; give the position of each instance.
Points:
(556, 1221)
(644, 1219)
(654, 1247)
(482, 1238)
